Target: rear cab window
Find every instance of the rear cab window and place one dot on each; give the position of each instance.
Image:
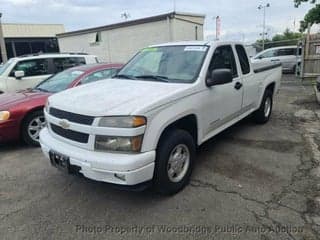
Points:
(243, 59)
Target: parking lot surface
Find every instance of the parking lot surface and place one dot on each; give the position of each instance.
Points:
(250, 182)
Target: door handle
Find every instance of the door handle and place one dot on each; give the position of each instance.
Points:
(275, 60)
(238, 85)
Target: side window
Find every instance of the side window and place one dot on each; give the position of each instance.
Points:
(223, 57)
(61, 64)
(96, 76)
(243, 58)
(268, 54)
(33, 67)
(287, 52)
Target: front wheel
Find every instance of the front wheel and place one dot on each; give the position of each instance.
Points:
(32, 126)
(174, 162)
(262, 115)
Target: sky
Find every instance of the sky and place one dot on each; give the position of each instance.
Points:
(240, 19)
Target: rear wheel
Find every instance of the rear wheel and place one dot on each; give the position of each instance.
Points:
(174, 162)
(32, 126)
(262, 115)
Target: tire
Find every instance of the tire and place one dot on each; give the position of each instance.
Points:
(31, 127)
(262, 115)
(168, 159)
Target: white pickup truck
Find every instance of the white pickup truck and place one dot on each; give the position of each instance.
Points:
(143, 126)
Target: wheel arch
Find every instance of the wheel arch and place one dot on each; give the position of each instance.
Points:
(30, 111)
(188, 123)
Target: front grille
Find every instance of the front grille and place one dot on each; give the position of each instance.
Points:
(72, 117)
(70, 134)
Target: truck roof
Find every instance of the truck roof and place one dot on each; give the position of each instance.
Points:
(199, 43)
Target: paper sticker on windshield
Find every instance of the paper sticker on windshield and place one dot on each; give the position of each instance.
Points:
(195, 48)
(151, 49)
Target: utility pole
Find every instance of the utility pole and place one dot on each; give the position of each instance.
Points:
(263, 7)
(2, 44)
(218, 27)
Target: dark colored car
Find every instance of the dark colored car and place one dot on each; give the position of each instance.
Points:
(21, 114)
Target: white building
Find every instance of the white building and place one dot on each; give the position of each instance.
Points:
(119, 42)
(21, 38)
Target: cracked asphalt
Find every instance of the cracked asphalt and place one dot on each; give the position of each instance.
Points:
(250, 182)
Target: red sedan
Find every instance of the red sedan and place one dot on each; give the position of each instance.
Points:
(21, 114)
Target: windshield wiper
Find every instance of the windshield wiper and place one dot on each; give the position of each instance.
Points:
(154, 77)
(41, 89)
(124, 76)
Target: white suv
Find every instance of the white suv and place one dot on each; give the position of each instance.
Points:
(288, 56)
(27, 71)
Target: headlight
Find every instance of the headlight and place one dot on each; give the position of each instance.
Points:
(46, 107)
(123, 121)
(4, 115)
(123, 144)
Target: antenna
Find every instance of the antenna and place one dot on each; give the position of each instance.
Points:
(125, 15)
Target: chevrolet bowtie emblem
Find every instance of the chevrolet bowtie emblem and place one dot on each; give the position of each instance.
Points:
(64, 124)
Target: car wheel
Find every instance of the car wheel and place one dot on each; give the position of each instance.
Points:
(174, 162)
(32, 126)
(262, 115)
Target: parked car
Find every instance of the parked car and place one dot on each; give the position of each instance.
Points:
(144, 125)
(317, 89)
(21, 114)
(288, 56)
(27, 71)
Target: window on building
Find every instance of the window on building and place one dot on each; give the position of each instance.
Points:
(22, 48)
(196, 32)
(98, 37)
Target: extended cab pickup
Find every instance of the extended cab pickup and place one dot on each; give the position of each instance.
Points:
(144, 125)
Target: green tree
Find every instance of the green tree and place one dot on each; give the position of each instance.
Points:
(298, 2)
(287, 35)
(312, 17)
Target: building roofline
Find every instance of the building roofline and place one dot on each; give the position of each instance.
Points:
(36, 24)
(128, 23)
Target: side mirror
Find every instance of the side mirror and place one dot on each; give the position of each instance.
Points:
(219, 77)
(19, 74)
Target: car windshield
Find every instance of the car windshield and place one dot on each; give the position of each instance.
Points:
(5, 66)
(179, 64)
(59, 82)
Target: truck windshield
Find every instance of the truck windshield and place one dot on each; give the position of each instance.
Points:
(180, 64)
(59, 82)
(5, 66)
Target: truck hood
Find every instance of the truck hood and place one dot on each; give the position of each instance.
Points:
(118, 97)
(9, 100)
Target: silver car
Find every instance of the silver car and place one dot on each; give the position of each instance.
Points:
(288, 56)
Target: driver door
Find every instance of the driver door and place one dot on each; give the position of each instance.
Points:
(223, 102)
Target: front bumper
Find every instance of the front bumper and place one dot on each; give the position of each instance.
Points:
(9, 131)
(103, 166)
